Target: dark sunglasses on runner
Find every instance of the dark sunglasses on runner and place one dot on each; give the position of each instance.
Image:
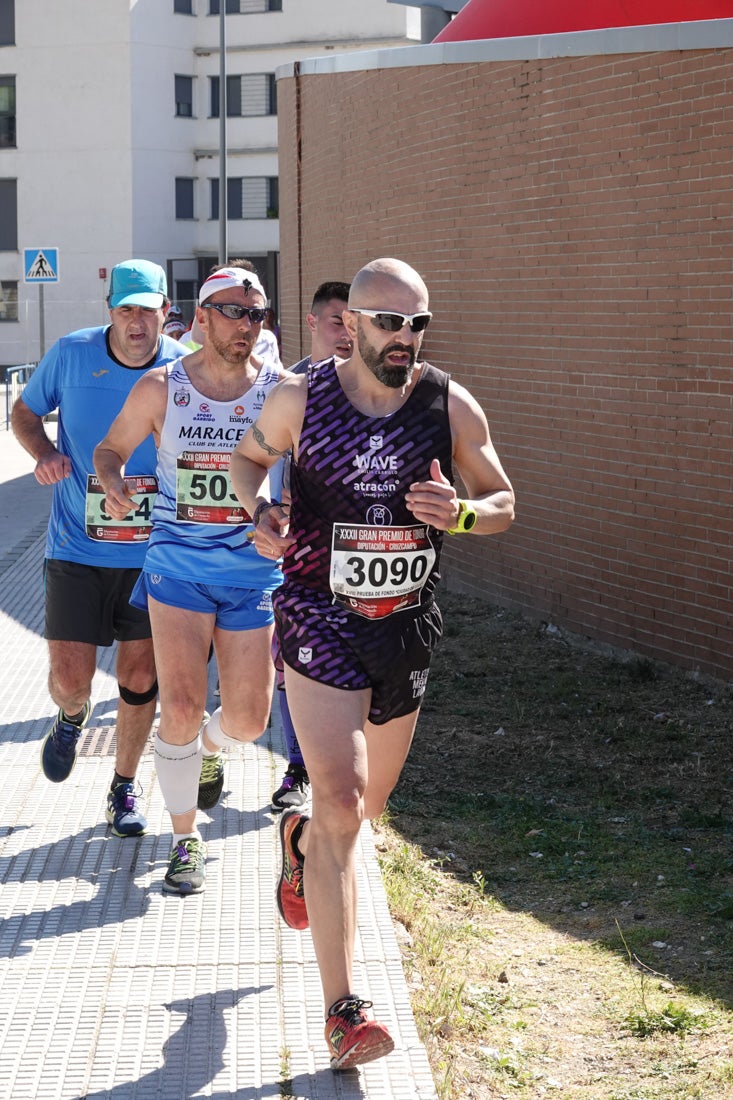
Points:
(394, 322)
(236, 312)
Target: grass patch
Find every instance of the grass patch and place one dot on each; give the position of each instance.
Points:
(559, 849)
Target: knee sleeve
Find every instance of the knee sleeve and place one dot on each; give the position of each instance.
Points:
(137, 698)
(178, 768)
(215, 734)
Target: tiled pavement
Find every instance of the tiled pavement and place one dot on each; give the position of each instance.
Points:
(110, 990)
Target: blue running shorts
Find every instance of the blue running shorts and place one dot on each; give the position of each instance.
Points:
(234, 608)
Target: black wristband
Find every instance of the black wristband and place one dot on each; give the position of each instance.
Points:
(262, 507)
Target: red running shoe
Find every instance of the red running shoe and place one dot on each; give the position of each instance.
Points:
(353, 1038)
(290, 897)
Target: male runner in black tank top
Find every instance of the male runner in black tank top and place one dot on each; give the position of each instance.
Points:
(374, 439)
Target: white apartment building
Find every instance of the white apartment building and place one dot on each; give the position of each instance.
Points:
(110, 137)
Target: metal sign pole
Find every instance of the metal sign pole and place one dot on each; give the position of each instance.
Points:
(41, 321)
(41, 265)
(223, 213)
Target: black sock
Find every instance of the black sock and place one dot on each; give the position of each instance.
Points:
(121, 779)
(74, 719)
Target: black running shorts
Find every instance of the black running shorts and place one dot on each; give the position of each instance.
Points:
(89, 603)
(325, 642)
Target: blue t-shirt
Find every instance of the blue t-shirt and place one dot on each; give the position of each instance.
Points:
(79, 377)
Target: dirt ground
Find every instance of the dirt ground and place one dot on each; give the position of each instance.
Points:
(573, 810)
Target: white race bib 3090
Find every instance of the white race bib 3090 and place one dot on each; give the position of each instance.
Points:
(376, 571)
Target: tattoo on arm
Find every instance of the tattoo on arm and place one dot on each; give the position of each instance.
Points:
(262, 442)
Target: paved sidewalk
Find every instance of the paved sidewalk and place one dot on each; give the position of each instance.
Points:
(111, 990)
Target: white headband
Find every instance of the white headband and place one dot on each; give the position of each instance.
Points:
(229, 277)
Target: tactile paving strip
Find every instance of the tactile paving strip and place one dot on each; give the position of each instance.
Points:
(111, 990)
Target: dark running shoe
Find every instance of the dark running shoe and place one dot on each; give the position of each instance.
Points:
(293, 791)
(290, 897)
(352, 1037)
(122, 812)
(187, 868)
(211, 780)
(58, 751)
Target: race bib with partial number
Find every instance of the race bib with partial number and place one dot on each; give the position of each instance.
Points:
(204, 492)
(136, 525)
(376, 571)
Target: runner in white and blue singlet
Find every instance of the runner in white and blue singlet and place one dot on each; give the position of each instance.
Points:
(200, 530)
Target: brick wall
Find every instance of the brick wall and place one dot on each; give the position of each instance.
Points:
(572, 219)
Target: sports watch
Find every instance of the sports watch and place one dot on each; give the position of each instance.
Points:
(466, 519)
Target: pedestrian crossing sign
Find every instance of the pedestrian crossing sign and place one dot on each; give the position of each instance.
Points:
(41, 265)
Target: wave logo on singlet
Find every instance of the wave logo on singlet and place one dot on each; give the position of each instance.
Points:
(379, 472)
(372, 461)
(181, 398)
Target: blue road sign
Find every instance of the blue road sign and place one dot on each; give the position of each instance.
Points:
(41, 265)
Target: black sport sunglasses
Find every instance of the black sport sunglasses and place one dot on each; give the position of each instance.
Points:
(236, 312)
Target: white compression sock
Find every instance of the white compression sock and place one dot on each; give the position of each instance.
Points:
(216, 735)
(195, 835)
(178, 768)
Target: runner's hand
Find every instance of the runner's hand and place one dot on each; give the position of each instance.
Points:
(118, 501)
(271, 537)
(52, 467)
(435, 501)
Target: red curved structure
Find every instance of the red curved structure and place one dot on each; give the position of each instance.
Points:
(510, 19)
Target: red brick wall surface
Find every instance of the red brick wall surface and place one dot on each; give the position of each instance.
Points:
(572, 219)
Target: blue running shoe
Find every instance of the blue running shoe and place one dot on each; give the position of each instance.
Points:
(58, 751)
(122, 812)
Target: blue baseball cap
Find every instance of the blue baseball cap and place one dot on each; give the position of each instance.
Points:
(137, 283)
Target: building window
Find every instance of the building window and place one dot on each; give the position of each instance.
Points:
(273, 197)
(8, 300)
(8, 215)
(247, 96)
(186, 291)
(245, 7)
(251, 197)
(183, 7)
(7, 112)
(184, 96)
(7, 22)
(184, 198)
